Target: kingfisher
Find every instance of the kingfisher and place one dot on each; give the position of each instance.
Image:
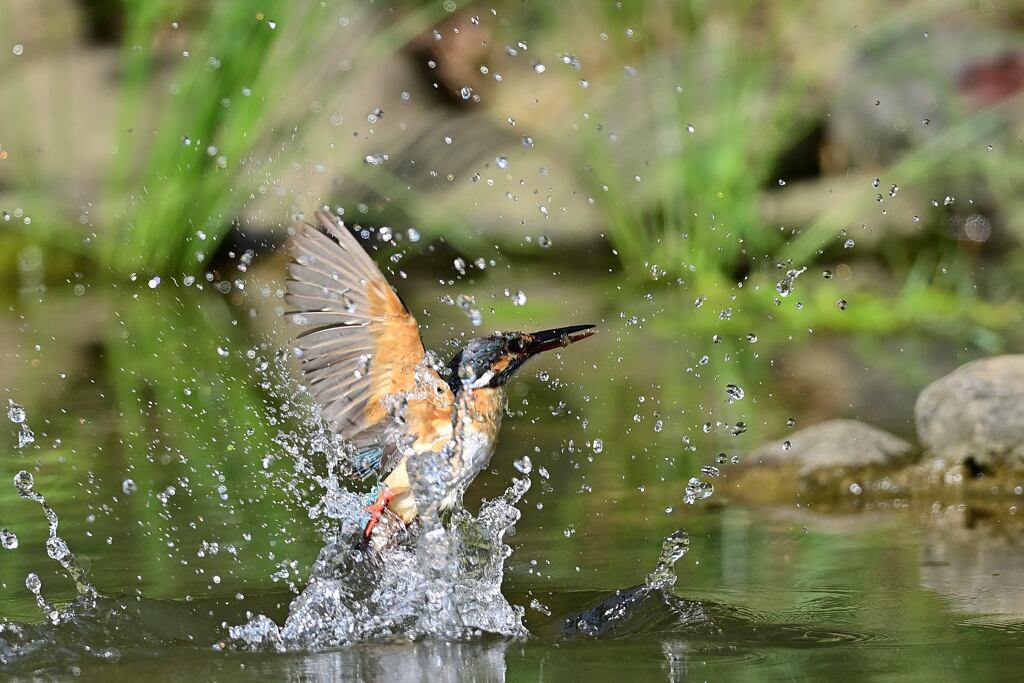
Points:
(365, 365)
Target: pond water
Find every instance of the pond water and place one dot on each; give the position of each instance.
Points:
(169, 450)
(763, 594)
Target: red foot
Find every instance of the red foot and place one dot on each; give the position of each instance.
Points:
(377, 509)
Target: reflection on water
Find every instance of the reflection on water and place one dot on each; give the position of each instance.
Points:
(410, 663)
(977, 560)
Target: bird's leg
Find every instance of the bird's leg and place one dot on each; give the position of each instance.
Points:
(377, 509)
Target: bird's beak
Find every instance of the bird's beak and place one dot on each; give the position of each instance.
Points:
(557, 338)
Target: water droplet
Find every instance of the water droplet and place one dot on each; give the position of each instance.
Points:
(25, 436)
(785, 285)
(33, 583)
(501, 161)
(786, 445)
(519, 298)
(524, 464)
(544, 241)
(875, 183)
(856, 489)
(468, 305)
(15, 413)
(8, 539)
(18, 50)
(752, 338)
(734, 392)
(841, 304)
(572, 61)
(23, 481)
(848, 244)
(710, 471)
(154, 282)
(690, 128)
(597, 445)
(697, 490)
(128, 486)
(460, 265)
(56, 548)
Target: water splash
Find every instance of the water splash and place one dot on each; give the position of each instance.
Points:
(19, 641)
(646, 608)
(18, 415)
(56, 548)
(673, 548)
(434, 581)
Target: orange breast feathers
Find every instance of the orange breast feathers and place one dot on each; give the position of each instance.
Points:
(480, 411)
(429, 420)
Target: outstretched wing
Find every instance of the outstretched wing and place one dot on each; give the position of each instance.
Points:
(363, 359)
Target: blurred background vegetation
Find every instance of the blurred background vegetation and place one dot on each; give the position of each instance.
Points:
(818, 202)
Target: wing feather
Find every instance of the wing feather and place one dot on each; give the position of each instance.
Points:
(363, 361)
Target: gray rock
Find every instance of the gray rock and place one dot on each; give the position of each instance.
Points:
(975, 413)
(836, 444)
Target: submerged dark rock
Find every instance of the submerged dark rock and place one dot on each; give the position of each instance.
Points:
(974, 416)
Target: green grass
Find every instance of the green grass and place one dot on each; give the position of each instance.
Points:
(187, 161)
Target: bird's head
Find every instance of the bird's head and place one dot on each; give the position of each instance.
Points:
(490, 361)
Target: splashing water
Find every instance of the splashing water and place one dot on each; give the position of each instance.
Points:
(643, 608)
(437, 579)
(18, 641)
(57, 550)
(673, 548)
(434, 581)
(18, 415)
